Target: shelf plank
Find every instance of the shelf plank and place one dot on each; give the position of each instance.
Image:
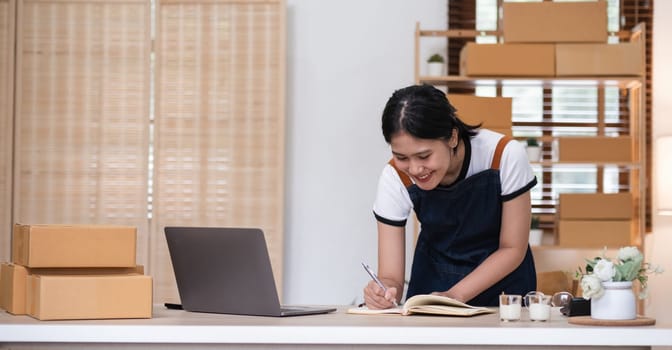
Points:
(549, 163)
(460, 33)
(620, 81)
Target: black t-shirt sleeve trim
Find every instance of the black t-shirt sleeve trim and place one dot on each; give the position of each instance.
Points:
(524, 189)
(401, 223)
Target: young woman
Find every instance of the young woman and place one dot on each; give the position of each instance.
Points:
(469, 188)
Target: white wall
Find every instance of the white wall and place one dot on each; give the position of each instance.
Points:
(659, 303)
(345, 58)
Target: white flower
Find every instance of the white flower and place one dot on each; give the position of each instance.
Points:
(592, 287)
(629, 253)
(604, 270)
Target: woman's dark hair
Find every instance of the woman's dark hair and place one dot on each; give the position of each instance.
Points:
(423, 111)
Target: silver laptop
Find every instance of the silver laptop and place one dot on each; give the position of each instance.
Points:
(227, 270)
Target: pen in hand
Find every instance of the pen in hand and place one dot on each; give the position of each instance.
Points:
(378, 282)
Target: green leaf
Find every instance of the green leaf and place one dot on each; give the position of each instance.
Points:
(628, 271)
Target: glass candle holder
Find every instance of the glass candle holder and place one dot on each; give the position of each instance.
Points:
(539, 307)
(509, 307)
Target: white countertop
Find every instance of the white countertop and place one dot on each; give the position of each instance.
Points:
(175, 326)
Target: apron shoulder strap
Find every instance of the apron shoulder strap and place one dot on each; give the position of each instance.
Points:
(498, 152)
(405, 179)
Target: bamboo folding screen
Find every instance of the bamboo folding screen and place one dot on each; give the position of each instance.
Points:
(6, 124)
(82, 100)
(89, 148)
(219, 122)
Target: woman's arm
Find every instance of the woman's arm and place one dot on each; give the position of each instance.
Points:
(391, 267)
(513, 242)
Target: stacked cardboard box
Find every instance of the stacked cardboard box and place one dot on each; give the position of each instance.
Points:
(546, 39)
(493, 113)
(75, 272)
(595, 220)
(555, 22)
(595, 149)
(534, 60)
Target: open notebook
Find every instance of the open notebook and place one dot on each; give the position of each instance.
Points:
(428, 304)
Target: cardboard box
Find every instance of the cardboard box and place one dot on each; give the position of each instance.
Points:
(61, 297)
(13, 279)
(596, 206)
(74, 245)
(594, 233)
(624, 59)
(12, 296)
(555, 22)
(492, 60)
(595, 149)
(492, 112)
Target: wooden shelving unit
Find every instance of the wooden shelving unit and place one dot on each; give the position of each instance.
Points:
(632, 87)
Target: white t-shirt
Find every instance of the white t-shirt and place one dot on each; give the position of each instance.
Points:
(393, 204)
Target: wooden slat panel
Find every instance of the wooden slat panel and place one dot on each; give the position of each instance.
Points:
(219, 154)
(635, 12)
(82, 113)
(461, 16)
(7, 9)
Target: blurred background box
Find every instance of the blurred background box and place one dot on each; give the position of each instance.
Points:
(596, 206)
(493, 112)
(555, 22)
(594, 233)
(622, 59)
(536, 60)
(595, 149)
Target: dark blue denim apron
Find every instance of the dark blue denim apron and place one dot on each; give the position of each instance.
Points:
(460, 228)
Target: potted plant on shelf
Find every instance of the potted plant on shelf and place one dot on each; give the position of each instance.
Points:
(536, 233)
(533, 149)
(435, 65)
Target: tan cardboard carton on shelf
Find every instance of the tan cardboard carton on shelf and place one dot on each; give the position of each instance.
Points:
(492, 112)
(595, 149)
(494, 60)
(13, 280)
(595, 206)
(554, 22)
(74, 245)
(623, 59)
(61, 297)
(594, 233)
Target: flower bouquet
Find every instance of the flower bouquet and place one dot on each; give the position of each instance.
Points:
(628, 266)
(616, 276)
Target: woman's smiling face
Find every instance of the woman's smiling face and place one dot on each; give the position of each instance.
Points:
(429, 162)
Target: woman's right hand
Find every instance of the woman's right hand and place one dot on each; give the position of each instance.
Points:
(376, 298)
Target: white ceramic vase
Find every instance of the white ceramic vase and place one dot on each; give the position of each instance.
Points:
(617, 303)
